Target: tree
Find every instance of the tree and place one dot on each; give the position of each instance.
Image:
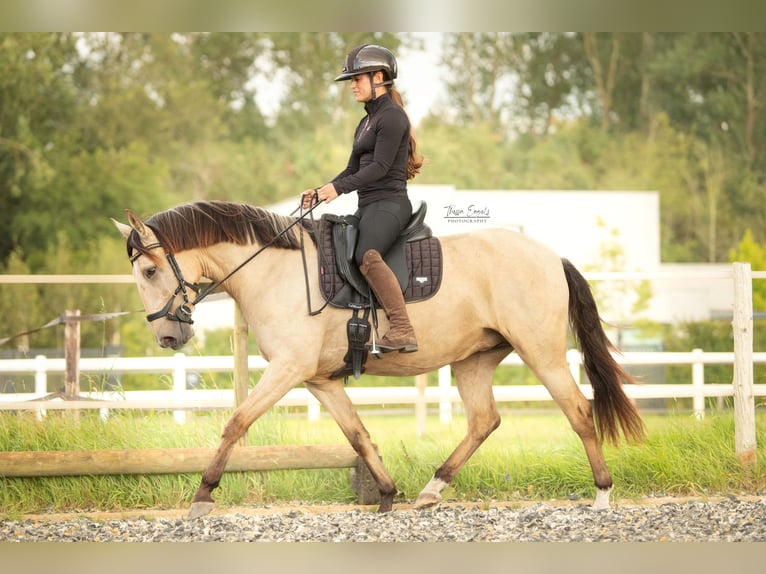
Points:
(550, 82)
(752, 252)
(604, 74)
(480, 85)
(37, 110)
(228, 63)
(712, 84)
(20, 305)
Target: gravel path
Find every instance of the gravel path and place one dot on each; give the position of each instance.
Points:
(730, 519)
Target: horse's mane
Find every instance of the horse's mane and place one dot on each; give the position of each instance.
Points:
(205, 223)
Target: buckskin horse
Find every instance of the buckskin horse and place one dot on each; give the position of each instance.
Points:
(501, 291)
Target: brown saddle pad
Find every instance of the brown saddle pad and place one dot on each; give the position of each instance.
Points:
(424, 270)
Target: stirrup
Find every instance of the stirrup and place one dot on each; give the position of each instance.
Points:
(406, 348)
(373, 347)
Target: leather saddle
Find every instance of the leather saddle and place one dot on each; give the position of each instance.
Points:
(415, 259)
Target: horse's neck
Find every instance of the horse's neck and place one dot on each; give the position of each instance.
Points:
(270, 286)
(272, 268)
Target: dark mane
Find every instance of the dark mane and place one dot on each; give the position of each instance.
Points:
(205, 223)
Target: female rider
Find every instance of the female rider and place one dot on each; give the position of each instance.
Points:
(383, 157)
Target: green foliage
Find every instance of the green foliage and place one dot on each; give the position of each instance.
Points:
(711, 336)
(748, 251)
(484, 160)
(22, 303)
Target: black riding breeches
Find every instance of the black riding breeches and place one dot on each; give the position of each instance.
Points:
(380, 224)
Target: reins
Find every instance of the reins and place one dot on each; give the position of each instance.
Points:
(213, 286)
(183, 313)
(305, 265)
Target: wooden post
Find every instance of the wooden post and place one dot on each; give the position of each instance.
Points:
(72, 353)
(421, 408)
(363, 484)
(241, 371)
(744, 396)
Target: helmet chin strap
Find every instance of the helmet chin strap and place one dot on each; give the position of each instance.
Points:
(373, 85)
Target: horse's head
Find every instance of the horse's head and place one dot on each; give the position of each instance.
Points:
(163, 283)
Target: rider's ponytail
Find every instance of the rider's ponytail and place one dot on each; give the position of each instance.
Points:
(414, 161)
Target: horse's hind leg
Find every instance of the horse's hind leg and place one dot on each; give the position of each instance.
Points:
(567, 395)
(333, 397)
(473, 378)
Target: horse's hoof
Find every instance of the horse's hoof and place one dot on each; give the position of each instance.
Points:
(602, 499)
(427, 500)
(199, 509)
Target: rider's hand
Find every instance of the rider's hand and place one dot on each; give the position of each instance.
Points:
(307, 198)
(327, 192)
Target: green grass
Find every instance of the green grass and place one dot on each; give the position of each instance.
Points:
(530, 457)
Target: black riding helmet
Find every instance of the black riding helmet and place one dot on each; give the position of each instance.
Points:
(370, 58)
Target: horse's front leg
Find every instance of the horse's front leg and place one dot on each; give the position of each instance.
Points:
(273, 385)
(334, 398)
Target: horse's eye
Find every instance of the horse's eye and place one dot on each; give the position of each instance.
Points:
(149, 272)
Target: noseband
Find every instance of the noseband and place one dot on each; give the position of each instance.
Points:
(183, 313)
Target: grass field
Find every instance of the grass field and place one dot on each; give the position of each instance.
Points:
(532, 456)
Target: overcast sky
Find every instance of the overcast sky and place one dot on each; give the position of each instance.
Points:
(420, 77)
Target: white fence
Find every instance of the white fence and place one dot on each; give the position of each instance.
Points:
(180, 399)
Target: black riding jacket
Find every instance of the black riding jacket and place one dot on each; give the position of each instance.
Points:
(377, 167)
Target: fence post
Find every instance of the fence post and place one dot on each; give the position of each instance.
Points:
(445, 404)
(179, 384)
(698, 382)
(241, 370)
(421, 408)
(41, 381)
(574, 358)
(72, 357)
(744, 395)
(314, 409)
(72, 353)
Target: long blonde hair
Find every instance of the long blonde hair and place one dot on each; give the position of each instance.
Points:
(414, 161)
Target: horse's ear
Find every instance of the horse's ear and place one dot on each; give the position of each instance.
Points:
(146, 234)
(122, 228)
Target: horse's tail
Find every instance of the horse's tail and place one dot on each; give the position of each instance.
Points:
(613, 408)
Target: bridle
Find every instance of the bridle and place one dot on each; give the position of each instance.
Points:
(183, 313)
